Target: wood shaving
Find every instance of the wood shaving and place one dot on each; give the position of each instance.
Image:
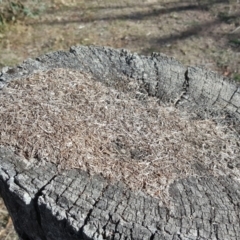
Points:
(68, 118)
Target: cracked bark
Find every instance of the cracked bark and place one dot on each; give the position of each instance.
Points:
(73, 205)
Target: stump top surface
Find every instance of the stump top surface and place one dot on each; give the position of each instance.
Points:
(98, 143)
(68, 118)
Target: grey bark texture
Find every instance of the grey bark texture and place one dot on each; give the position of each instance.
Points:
(50, 205)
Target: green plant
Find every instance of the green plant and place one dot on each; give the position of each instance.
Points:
(10, 11)
(236, 77)
(235, 41)
(13, 10)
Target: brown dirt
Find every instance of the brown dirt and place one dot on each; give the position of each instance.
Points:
(195, 32)
(7, 231)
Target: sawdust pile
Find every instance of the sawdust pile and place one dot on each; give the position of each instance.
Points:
(65, 117)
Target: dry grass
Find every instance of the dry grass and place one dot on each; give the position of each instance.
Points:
(186, 30)
(6, 228)
(66, 117)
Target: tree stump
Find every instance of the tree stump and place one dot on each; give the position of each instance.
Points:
(198, 194)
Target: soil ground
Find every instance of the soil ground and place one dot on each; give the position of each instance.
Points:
(205, 32)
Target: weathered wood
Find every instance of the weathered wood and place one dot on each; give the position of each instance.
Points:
(47, 204)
